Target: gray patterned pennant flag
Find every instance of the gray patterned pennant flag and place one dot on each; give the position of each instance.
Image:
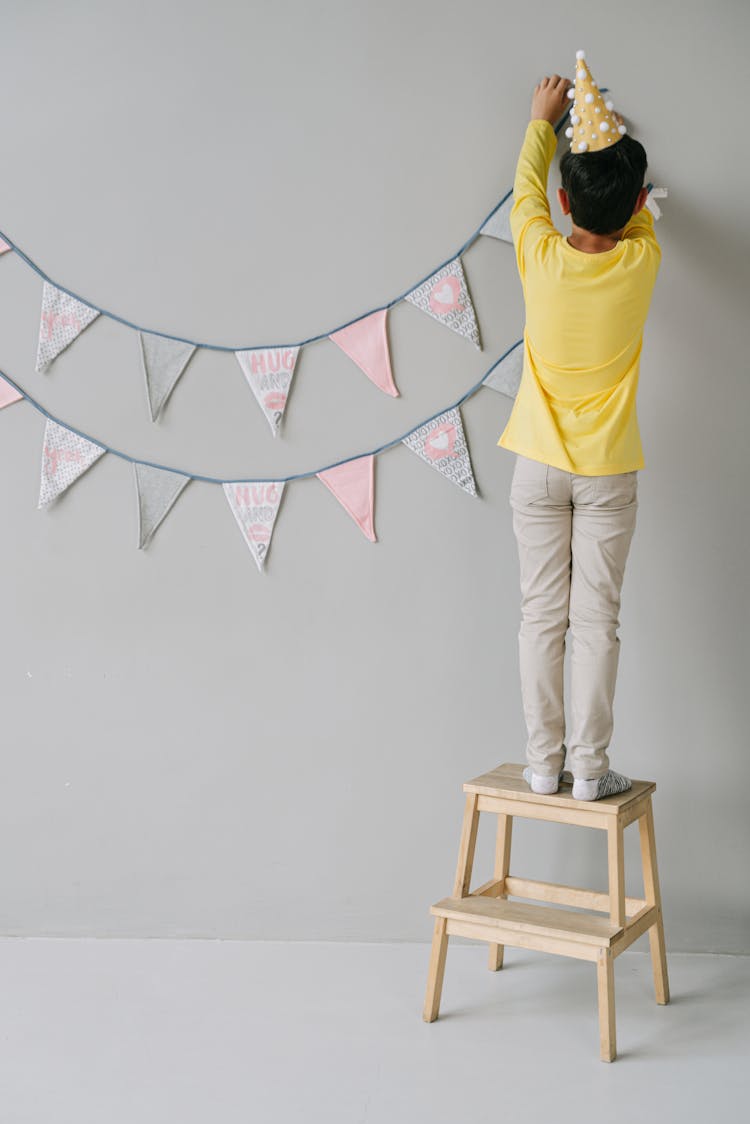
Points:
(158, 490)
(255, 507)
(506, 376)
(63, 318)
(445, 297)
(442, 443)
(164, 360)
(498, 224)
(65, 457)
(269, 372)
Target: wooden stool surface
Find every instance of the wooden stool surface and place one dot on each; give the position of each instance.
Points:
(507, 781)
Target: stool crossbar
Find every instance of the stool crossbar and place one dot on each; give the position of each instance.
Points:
(613, 921)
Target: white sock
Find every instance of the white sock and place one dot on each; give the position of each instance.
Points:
(543, 786)
(607, 785)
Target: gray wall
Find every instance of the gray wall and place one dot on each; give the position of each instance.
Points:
(194, 749)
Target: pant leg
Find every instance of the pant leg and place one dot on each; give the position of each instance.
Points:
(604, 516)
(542, 517)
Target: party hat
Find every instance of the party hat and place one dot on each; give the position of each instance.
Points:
(593, 123)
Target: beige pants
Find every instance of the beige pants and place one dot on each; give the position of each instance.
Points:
(574, 534)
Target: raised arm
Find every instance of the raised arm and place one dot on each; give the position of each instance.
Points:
(530, 214)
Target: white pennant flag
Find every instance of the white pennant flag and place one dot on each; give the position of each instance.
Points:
(164, 360)
(445, 297)
(442, 444)
(506, 376)
(498, 224)
(269, 372)
(255, 507)
(63, 319)
(65, 457)
(158, 490)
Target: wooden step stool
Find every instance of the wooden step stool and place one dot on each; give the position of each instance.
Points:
(485, 914)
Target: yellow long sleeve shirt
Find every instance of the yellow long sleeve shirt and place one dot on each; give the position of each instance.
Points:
(576, 402)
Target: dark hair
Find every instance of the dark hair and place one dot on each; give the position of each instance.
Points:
(603, 186)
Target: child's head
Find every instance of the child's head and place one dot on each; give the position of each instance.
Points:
(603, 186)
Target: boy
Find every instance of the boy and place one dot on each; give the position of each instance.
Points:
(573, 425)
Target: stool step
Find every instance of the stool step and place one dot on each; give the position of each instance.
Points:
(541, 920)
(506, 781)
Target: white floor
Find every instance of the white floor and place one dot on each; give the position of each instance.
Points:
(176, 1032)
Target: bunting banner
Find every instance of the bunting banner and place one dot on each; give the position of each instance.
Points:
(269, 374)
(255, 507)
(164, 360)
(498, 224)
(63, 319)
(366, 342)
(506, 376)
(441, 442)
(65, 456)
(445, 297)
(353, 485)
(158, 491)
(8, 394)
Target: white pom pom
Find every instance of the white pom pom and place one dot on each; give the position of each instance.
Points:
(569, 132)
(589, 98)
(575, 118)
(622, 129)
(580, 54)
(594, 84)
(581, 74)
(571, 92)
(593, 136)
(604, 126)
(610, 105)
(582, 146)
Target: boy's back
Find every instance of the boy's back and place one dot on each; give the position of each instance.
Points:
(585, 313)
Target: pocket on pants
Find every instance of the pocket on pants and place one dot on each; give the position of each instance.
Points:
(619, 488)
(530, 483)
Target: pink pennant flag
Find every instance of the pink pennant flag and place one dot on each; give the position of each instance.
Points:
(353, 485)
(8, 394)
(4, 246)
(366, 342)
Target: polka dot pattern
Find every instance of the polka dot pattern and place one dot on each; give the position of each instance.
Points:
(596, 126)
(63, 318)
(65, 457)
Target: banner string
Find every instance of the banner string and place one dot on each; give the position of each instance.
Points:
(256, 480)
(258, 347)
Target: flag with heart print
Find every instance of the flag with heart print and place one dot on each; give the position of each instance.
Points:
(498, 224)
(63, 319)
(445, 297)
(269, 372)
(255, 507)
(442, 444)
(65, 457)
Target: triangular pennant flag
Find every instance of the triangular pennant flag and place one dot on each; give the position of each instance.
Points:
(4, 246)
(269, 372)
(164, 360)
(506, 376)
(255, 507)
(498, 224)
(442, 443)
(157, 489)
(65, 457)
(366, 342)
(445, 296)
(8, 394)
(63, 319)
(353, 485)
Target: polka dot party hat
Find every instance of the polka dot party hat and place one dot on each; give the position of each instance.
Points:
(593, 123)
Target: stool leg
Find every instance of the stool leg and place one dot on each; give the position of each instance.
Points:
(605, 978)
(436, 970)
(653, 897)
(616, 864)
(502, 865)
(466, 846)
